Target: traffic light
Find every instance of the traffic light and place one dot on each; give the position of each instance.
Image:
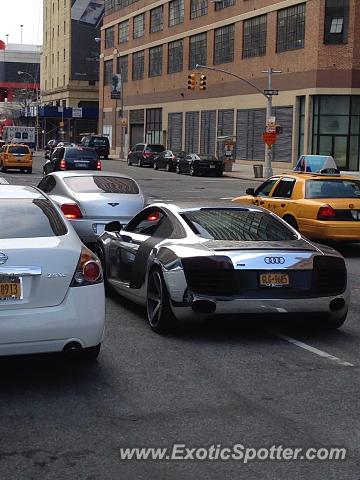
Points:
(202, 82)
(191, 81)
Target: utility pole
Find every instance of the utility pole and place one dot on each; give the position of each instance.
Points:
(267, 94)
(37, 107)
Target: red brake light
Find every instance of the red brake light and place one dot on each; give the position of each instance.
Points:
(71, 211)
(88, 270)
(63, 164)
(152, 217)
(98, 165)
(147, 154)
(326, 212)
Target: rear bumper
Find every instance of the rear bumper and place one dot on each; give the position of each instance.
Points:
(80, 317)
(9, 164)
(318, 229)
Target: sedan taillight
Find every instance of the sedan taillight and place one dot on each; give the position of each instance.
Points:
(147, 154)
(98, 165)
(88, 270)
(71, 211)
(63, 164)
(326, 212)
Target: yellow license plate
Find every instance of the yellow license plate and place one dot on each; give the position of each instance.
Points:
(272, 279)
(11, 289)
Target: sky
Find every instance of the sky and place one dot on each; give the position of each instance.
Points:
(28, 13)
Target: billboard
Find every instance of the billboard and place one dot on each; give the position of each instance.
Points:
(86, 18)
(116, 86)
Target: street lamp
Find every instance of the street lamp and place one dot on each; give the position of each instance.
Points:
(37, 106)
(116, 96)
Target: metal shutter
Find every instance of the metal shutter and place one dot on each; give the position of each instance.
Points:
(259, 116)
(225, 123)
(242, 125)
(250, 125)
(282, 149)
(208, 129)
(175, 131)
(192, 132)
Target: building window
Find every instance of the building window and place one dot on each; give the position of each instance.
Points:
(138, 65)
(64, 28)
(154, 125)
(224, 44)
(254, 37)
(223, 4)
(139, 26)
(122, 67)
(291, 28)
(113, 5)
(155, 61)
(301, 125)
(124, 31)
(175, 56)
(109, 37)
(176, 12)
(64, 54)
(156, 19)
(336, 21)
(108, 71)
(198, 50)
(198, 8)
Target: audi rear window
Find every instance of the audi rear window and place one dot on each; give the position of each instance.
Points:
(337, 188)
(154, 148)
(80, 154)
(29, 218)
(18, 150)
(101, 184)
(237, 225)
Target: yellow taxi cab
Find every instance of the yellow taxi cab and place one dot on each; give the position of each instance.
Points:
(319, 205)
(16, 156)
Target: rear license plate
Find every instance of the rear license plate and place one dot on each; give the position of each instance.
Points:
(81, 165)
(273, 279)
(10, 288)
(212, 166)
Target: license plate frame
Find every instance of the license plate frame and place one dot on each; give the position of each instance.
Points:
(212, 166)
(273, 279)
(8, 290)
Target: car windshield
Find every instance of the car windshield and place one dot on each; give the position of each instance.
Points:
(28, 218)
(99, 141)
(237, 225)
(207, 157)
(337, 188)
(80, 154)
(101, 184)
(18, 150)
(154, 148)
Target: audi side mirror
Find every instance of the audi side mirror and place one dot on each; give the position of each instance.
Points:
(114, 226)
(250, 191)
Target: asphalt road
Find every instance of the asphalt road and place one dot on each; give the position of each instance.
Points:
(241, 382)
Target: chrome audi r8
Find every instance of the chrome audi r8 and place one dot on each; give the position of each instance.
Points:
(189, 264)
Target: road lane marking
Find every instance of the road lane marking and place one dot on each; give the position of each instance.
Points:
(314, 350)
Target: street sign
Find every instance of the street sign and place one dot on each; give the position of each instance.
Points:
(271, 92)
(269, 138)
(124, 123)
(271, 129)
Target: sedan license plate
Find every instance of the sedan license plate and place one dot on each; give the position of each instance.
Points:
(81, 164)
(273, 279)
(10, 288)
(212, 166)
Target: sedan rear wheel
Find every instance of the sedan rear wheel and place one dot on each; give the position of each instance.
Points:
(156, 167)
(178, 169)
(192, 171)
(168, 167)
(159, 313)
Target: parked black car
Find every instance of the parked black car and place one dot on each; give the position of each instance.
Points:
(72, 158)
(196, 164)
(167, 160)
(49, 147)
(99, 143)
(144, 154)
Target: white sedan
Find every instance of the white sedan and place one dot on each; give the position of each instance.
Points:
(51, 286)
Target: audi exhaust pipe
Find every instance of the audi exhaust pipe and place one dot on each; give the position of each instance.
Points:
(204, 306)
(72, 349)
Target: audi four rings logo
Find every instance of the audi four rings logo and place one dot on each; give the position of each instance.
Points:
(275, 260)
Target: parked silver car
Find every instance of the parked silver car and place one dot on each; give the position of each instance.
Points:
(91, 199)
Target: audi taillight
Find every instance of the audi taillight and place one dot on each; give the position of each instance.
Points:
(326, 212)
(88, 270)
(71, 211)
(98, 165)
(63, 164)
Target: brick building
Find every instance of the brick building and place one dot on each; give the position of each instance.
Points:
(156, 44)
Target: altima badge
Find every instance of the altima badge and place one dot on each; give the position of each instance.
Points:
(3, 258)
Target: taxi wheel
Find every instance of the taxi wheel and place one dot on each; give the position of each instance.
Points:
(29, 170)
(3, 168)
(291, 221)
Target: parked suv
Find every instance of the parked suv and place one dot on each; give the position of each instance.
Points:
(144, 154)
(99, 143)
(16, 156)
(72, 158)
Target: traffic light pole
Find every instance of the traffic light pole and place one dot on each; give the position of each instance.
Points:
(268, 171)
